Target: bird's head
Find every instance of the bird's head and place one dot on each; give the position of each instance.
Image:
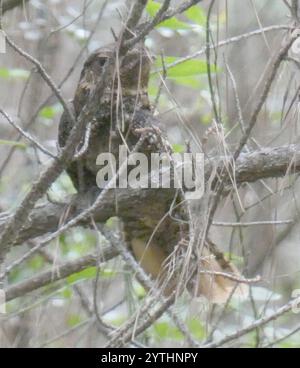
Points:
(129, 74)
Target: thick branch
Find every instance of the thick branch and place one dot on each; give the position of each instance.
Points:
(267, 163)
(64, 270)
(250, 167)
(11, 4)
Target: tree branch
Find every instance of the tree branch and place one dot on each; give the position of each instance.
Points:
(250, 167)
(11, 4)
(252, 326)
(58, 273)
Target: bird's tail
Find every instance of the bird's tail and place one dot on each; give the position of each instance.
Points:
(217, 278)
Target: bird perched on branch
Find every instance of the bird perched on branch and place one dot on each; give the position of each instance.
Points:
(156, 235)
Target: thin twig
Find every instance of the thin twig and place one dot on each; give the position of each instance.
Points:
(254, 223)
(44, 75)
(229, 41)
(254, 325)
(27, 135)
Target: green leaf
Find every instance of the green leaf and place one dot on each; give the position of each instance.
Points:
(4, 73)
(196, 328)
(73, 320)
(163, 330)
(178, 148)
(152, 8)
(139, 290)
(111, 223)
(14, 73)
(67, 293)
(88, 273)
(187, 68)
(289, 344)
(197, 15)
(36, 263)
(108, 273)
(13, 143)
(172, 23)
(49, 112)
(206, 119)
(237, 260)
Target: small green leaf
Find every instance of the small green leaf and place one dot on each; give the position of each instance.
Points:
(196, 14)
(139, 290)
(67, 293)
(187, 68)
(49, 112)
(36, 263)
(108, 273)
(13, 143)
(237, 260)
(73, 320)
(88, 273)
(111, 223)
(152, 8)
(172, 23)
(4, 73)
(163, 330)
(178, 148)
(196, 328)
(14, 73)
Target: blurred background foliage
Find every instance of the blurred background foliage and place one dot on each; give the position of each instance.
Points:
(61, 34)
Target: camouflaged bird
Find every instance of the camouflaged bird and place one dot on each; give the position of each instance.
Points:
(153, 233)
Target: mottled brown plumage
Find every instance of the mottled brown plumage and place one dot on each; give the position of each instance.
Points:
(122, 111)
(123, 98)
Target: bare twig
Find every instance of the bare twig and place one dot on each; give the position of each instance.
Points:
(134, 17)
(45, 76)
(252, 326)
(283, 338)
(162, 15)
(120, 338)
(32, 119)
(275, 64)
(207, 52)
(240, 280)
(148, 28)
(230, 41)
(254, 223)
(27, 135)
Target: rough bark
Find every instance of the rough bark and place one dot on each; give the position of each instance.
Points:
(250, 167)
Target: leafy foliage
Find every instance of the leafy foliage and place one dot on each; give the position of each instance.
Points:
(14, 74)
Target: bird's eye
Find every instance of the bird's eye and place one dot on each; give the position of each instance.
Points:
(102, 61)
